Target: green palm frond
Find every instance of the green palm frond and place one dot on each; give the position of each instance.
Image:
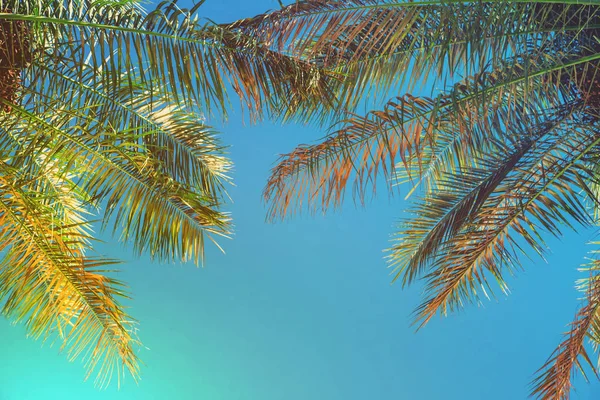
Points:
(159, 214)
(177, 136)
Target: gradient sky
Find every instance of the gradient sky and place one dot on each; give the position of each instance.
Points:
(304, 309)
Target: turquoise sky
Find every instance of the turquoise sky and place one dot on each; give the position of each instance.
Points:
(304, 309)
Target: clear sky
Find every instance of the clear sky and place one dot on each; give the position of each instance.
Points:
(304, 309)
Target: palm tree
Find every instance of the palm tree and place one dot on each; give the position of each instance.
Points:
(101, 117)
(506, 154)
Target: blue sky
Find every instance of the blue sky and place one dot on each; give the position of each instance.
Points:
(304, 309)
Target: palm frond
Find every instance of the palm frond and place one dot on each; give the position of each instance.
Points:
(380, 44)
(408, 130)
(459, 194)
(177, 136)
(195, 61)
(553, 380)
(159, 214)
(47, 281)
(541, 196)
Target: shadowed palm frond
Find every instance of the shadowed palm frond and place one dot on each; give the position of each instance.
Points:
(195, 61)
(545, 197)
(461, 191)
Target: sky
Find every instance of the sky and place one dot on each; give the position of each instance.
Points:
(304, 309)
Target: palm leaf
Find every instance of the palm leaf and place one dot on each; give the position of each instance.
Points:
(195, 61)
(379, 44)
(159, 214)
(537, 198)
(408, 129)
(48, 282)
(554, 378)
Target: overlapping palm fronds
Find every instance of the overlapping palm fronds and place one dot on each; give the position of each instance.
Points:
(376, 44)
(499, 159)
(195, 61)
(102, 109)
(407, 130)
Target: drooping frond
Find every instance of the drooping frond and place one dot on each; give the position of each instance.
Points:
(177, 136)
(546, 192)
(159, 214)
(554, 378)
(47, 281)
(460, 191)
(408, 130)
(318, 174)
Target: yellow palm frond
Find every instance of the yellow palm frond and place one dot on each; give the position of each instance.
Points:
(47, 281)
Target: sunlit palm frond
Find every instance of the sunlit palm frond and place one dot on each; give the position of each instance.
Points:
(177, 136)
(81, 139)
(47, 281)
(175, 139)
(159, 214)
